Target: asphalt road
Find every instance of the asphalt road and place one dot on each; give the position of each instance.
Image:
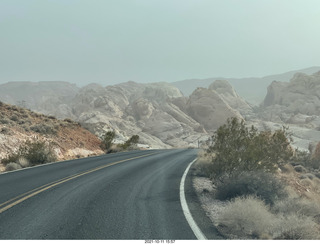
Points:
(133, 195)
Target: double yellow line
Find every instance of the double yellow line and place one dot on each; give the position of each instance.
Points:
(16, 200)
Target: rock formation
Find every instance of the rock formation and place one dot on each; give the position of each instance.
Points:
(209, 109)
(231, 97)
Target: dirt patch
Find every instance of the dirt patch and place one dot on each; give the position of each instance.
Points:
(205, 192)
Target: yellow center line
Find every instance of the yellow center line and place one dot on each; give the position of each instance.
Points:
(45, 187)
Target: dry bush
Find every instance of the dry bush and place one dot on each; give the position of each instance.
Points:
(300, 169)
(31, 153)
(12, 166)
(250, 218)
(203, 164)
(44, 129)
(299, 206)
(264, 185)
(287, 169)
(296, 227)
(23, 162)
(246, 218)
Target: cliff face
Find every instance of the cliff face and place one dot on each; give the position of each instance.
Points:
(297, 101)
(69, 139)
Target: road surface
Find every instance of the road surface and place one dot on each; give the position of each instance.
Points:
(132, 195)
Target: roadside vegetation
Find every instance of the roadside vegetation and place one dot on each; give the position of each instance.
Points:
(267, 189)
(29, 154)
(108, 145)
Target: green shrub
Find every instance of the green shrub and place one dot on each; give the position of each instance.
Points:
(130, 143)
(31, 153)
(44, 129)
(107, 140)
(38, 153)
(261, 184)
(236, 148)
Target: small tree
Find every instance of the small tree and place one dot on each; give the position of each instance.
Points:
(34, 152)
(236, 148)
(133, 140)
(107, 140)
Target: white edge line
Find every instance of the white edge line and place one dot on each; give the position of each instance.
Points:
(47, 164)
(195, 228)
(56, 162)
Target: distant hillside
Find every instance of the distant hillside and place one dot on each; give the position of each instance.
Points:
(157, 112)
(69, 139)
(252, 89)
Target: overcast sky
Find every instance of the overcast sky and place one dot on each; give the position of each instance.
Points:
(113, 41)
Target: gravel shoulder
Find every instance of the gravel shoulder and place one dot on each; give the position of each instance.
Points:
(203, 207)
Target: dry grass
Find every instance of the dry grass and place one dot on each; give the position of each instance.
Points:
(246, 218)
(296, 217)
(203, 163)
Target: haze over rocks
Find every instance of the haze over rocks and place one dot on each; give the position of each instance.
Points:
(163, 117)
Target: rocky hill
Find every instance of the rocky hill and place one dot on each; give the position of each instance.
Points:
(295, 102)
(157, 112)
(163, 117)
(252, 89)
(69, 139)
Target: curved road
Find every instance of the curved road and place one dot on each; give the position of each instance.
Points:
(132, 195)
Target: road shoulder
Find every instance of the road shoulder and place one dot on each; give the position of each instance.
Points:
(198, 213)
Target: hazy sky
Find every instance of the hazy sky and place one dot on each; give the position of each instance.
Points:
(113, 41)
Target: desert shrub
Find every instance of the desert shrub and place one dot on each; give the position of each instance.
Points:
(52, 117)
(12, 166)
(202, 165)
(4, 121)
(307, 175)
(14, 118)
(5, 130)
(31, 153)
(296, 227)
(68, 120)
(246, 218)
(23, 162)
(43, 129)
(261, 184)
(38, 153)
(237, 148)
(107, 139)
(11, 158)
(300, 169)
(130, 143)
(298, 206)
(287, 168)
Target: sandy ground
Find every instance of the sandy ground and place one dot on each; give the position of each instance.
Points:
(205, 191)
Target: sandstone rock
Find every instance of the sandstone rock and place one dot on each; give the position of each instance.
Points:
(230, 96)
(300, 95)
(209, 109)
